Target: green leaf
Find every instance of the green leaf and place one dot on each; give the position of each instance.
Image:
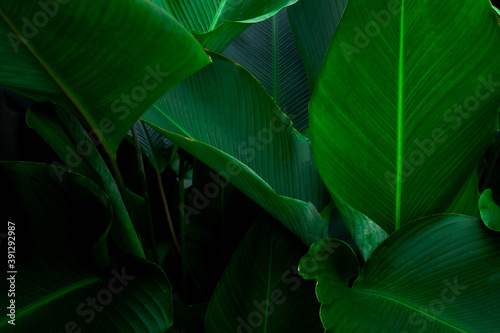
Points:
(490, 212)
(260, 290)
(313, 24)
(158, 149)
(268, 51)
(466, 198)
(216, 23)
(60, 233)
(75, 148)
(396, 136)
(366, 233)
(497, 13)
(234, 127)
(438, 275)
(96, 64)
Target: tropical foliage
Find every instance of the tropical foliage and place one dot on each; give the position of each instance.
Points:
(188, 166)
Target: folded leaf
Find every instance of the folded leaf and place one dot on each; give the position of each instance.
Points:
(396, 136)
(440, 274)
(90, 57)
(224, 117)
(217, 23)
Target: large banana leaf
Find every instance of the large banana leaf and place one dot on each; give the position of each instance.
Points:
(402, 112)
(216, 23)
(268, 51)
(313, 23)
(367, 234)
(68, 139)
(260, 290)
(497, 13)
(62, 262)
(90, 57)
(225, 118)
(440, 274)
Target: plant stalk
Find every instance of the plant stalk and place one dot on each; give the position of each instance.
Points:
(167, 213)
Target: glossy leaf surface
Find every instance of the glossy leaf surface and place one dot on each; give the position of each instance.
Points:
(55, 51)
(439, 274)
(412, 123)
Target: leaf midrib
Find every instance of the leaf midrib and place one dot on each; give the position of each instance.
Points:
(49, 298)
(275, 59)
(66, 91)
(399, 162)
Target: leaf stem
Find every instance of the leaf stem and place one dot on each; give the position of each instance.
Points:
(182, 225)
(167, 213)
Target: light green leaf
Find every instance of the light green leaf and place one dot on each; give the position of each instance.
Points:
(268, 51)
(216, 23)
(313, 23)
(440, 274)
(490, 212)
(224, 117)
(90, 57)
(61, 229)
(68, 139)
(396, 136)
(260, 290)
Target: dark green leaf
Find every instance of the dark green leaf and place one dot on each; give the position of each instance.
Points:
(440, 274)
(62, 262)
(75, 148)
(90, 57)
(395, 137)
(313, 23)
(158, 149)
(268, 51)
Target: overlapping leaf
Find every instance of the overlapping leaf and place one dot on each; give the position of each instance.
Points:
(260, 289)
(313, 23)
(158, 149)
(268, 51)
(490, 212)
(90, 57)
(440, 274)
(216, 23)
(404, 107)
(224, 117)
(76, 150)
